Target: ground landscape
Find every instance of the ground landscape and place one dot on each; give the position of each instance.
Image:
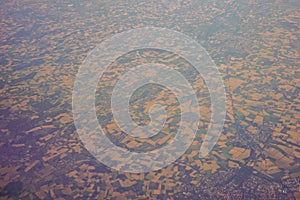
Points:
(254, 44)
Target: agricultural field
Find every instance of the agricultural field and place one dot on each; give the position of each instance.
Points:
(255, 46)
